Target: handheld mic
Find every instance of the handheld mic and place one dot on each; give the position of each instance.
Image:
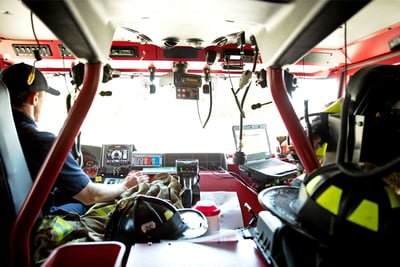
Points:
(245, 79)
(259, 105)
(105, 93)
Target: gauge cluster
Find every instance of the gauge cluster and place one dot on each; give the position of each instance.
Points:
(115, 163)
(117, 155)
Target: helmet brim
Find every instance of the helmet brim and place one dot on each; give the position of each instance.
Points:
(282, 201)
(196, 222)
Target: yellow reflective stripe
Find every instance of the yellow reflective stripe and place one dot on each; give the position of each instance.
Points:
(44, 223)
(393, 197)
(104, 211)
(335, 107)
(330, 199)
(313, 183)
(168, 214)
(61, 228)
(366, 215)
(58, 233)
(322, 150)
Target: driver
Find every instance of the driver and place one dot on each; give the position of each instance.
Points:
(73, 191)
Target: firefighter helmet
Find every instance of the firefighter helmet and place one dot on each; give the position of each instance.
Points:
(147, 219)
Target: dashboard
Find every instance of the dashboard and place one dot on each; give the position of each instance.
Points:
(110, 163)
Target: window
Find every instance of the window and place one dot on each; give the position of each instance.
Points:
(318, 92)
(159, 122)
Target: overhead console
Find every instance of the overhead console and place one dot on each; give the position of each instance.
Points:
(230, 56)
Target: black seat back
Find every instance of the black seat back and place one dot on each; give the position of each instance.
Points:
(15, 179)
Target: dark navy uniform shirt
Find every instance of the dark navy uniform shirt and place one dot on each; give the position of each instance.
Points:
(71, 179)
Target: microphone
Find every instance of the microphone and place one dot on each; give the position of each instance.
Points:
(105, 93)
(245, 79)
(259, 105)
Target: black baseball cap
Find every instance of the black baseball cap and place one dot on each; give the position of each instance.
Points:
(16, 78)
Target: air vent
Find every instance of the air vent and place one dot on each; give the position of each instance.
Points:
(221, 41)
(144, 39)
(23, 50)
(195, 42)
(124, 51)
(170, 42)
(64, 52)
(181, 52)
(232, 67)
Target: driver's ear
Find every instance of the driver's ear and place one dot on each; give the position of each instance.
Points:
(33, 98)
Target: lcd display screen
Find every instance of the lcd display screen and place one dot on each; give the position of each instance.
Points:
(146, 160)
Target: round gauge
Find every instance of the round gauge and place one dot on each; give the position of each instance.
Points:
(116, 154)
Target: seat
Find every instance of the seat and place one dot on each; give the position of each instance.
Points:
(15, 179)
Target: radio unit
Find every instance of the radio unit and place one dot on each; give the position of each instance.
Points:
(187, 80)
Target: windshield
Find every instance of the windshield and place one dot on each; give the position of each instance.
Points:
(161, 123)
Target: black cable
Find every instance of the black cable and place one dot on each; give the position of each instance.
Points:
(308, 123)
(37, 54)
(76, 149)
(248, 86)
(210, 108)
(198, 112)
(64, 67)
(241, 179)
(245, 95)
(233, 91)
(242, 115)
(317, 114)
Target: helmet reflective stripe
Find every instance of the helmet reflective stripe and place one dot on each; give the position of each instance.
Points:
(393, 198)
(168, 214)
(313, 183)
(330, 199)
(366, 215)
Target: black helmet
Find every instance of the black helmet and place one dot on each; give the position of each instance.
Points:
(371, 116)
(341, 220)
(343, 208)
(144, 219)
(346, 208)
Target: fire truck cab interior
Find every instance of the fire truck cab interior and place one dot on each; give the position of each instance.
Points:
(186, 44)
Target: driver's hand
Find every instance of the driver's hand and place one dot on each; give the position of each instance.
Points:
(135, 177)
